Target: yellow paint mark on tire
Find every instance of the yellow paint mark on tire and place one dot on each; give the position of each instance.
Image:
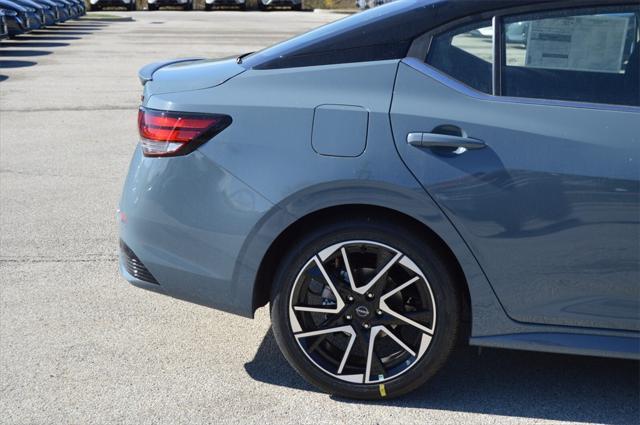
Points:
(383, 390)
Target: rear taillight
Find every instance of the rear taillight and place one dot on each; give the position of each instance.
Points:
(165, 133)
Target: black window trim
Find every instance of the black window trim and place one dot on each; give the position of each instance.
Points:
(463, 88)
(418, 62)
(498, 59)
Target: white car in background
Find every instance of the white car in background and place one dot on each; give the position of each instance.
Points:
(370, 4)
(99, 4)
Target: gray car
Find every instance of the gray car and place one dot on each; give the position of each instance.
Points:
(392, 185)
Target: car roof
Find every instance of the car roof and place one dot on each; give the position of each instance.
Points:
(12, 6)
(387, 32)
(384, 32)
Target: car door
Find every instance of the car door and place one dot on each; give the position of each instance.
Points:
(535, 156)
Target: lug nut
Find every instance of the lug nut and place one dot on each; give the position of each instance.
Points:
(366, 325)
(379, 312)
(370, 296)
(348, 317)
(350, 299)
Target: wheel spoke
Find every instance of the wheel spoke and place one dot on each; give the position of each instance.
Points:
(323, 333)
(312, 309)
(398, 341)
(414, 316)
(339, 301)
(346, 353)
(373, 361)
(326, 325)
(322, 309)
(346, 329)
(347, 266)
(404, 318)
(380, 274)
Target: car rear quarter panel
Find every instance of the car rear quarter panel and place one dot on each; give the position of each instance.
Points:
(269, 149)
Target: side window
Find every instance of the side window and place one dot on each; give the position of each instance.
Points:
(577, 55)
(466, 54)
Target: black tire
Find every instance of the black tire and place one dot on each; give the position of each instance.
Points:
(297, 7)
(153, 7)
(243, 7)
(445, 295)
(208, 7)
(186, 7)
(132, 6)
(262, 6)
(95, 8)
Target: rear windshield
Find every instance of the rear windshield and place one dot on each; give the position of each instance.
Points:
(330, 34)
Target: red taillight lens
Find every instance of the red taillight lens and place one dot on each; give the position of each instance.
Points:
(176, 133)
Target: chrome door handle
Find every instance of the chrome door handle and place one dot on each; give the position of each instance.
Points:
(435, 140)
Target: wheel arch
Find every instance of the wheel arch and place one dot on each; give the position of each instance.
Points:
(270, 262)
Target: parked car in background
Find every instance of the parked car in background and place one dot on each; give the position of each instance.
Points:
(78, 6)
(4, 30)
(210, 4)
(99, 4)
(59, 10)
(267, 4)
(370, 4)
(391, 190)
(517, 33)
(45, 12)
(156, 4)
(25, 19)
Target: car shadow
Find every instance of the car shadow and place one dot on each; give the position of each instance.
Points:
(537, 386)
(31, 37)
(38, 44)
(45, 39)
(60, 32)
(24, 53)
(15, 64)
(3, 77)
(79, 27)
(270, 366)
(82, 25)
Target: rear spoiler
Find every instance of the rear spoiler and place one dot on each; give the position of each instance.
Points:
(146, 72)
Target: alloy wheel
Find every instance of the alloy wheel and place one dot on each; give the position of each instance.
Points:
(362, 312)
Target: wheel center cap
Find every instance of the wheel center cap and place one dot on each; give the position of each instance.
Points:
(362, 311)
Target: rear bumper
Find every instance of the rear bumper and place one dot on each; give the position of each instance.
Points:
(187, 221)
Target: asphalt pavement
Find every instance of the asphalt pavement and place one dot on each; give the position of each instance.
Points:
(79, 345)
